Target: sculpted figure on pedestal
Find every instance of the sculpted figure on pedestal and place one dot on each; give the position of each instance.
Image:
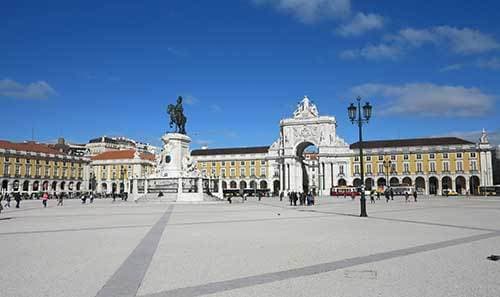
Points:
(177, 116)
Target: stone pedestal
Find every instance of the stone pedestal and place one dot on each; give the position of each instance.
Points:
(174, 155)
(176, 176)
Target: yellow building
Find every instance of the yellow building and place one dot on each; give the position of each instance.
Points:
(430, 164)
(246, 169)
(31, 167)
(111, 171)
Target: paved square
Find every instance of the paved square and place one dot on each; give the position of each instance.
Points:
(436, 247)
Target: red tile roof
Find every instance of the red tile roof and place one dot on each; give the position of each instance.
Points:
(29, 146)
(122, 154)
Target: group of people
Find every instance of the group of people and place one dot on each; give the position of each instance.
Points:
(303, 198)
(389, 195)
(8, 198)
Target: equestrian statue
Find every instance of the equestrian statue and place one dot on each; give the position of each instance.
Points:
(177, 116)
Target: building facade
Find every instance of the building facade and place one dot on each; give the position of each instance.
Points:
(103, 144)
(245, 169)
(31, 167)
(430, 164)
(111, 171)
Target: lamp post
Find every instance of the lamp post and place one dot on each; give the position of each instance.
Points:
(387, 166)
(360, 120)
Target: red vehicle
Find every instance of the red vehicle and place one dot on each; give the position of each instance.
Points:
(344, 191)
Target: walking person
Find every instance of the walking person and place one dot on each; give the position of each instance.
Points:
(282, 194)
(415, 195)
(17, 197)
(7, 199)
(372, 197)
(378, 195)
(387, 197)
(392, 194)
(59, 198)
(91, 197)
(407, 196)
(290, 198)
(295, 198)
(1, 204)
(45, 197)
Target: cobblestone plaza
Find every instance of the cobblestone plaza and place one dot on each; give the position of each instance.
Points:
(435, 247)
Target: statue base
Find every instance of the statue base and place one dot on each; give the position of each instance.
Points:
(176, 177)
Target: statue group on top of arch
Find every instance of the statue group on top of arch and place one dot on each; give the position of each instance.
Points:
(306, 109)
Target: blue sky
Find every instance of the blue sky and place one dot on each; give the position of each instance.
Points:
(81, 69)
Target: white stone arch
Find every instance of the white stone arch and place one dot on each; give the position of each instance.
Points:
(306, 128)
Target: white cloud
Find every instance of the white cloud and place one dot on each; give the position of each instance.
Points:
(493, 136)
(452, 67)
(467, 41)
(215, 108)
(190, 100)
(360, 24)
(35, 90)
(426, 99)
(373, 52)
(464, 41)
(177, 52)
(309, 11)
(492, 63)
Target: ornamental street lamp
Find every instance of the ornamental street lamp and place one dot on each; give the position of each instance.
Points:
(359, 120)
(387, 166)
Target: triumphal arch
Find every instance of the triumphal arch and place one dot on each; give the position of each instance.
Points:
(307, 128)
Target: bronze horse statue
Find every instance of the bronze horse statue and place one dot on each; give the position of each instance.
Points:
(177, 116)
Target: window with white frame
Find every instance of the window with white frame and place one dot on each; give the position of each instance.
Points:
(393, 167)
(6, 168)
(368, 158)
(263, 171)
(393, 157)
(252, 171)
(242, 171)
(380, 157)
(473, 165)
(233, 172)
(432, 167)
(419, 167)
(18, 169)
(406, 167)
(459, 155)
(472, 155)
(369, 168)
(446, 166)
(445, 155)
(419, 156)
(356, 169)
(381, 168)
(432, 156)
(406, 157)
(460, 166)
(341, 169)
(223, 172)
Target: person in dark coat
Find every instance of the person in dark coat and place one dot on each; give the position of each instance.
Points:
(295, 198)
(387, 197)
(17, 197)
(392, 194)
(290, 198)
(282, 194)
(415, 195)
